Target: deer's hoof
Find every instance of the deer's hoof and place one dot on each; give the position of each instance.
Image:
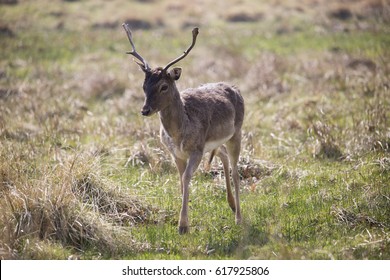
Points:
(183, 229)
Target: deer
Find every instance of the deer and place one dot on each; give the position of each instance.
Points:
(193, 122)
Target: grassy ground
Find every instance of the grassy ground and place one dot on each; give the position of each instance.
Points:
(83, 174)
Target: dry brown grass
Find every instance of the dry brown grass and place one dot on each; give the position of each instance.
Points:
(70, 204)
(326, 145)
(352, 219)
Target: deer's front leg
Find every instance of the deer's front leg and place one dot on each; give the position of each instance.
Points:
(181, 167)
(193, 163)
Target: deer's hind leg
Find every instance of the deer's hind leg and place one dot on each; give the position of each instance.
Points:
(233, 148)
(223, 155)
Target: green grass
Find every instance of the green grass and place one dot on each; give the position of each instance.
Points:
(311, 214)
(84, 175)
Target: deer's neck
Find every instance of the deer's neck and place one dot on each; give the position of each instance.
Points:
(173, 116)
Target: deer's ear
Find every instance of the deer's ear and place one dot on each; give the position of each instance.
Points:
(175, 73)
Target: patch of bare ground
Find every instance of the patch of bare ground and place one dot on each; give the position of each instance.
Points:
(341, 13)
(9, 2)
(135, 23)
(106, 25)
(6, 31)
(244, 16)
(366, 64)
(352, 219)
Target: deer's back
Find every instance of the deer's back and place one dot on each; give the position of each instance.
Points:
(215, 103)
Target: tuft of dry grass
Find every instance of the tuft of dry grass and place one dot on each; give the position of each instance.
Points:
(326, 145)
(352, 219)
(116, 206)
(70, 204)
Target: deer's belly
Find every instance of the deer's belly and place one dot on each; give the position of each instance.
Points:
(211, 145)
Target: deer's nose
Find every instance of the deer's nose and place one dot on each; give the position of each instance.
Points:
(146, 111)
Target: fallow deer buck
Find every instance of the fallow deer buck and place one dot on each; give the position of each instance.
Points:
(193, 122)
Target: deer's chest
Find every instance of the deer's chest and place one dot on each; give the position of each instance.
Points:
(177, 148)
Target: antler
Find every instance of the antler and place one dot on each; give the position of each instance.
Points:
(144, 65)
(195, 33)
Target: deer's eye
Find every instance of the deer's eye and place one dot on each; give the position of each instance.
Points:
(164, 88)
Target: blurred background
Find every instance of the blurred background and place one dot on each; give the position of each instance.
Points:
(83, 174)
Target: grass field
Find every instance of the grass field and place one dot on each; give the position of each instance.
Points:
(83, 175)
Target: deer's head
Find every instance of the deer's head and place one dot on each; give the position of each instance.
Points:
(159, 84)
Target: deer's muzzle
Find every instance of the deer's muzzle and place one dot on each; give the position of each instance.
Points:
(146, 111)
